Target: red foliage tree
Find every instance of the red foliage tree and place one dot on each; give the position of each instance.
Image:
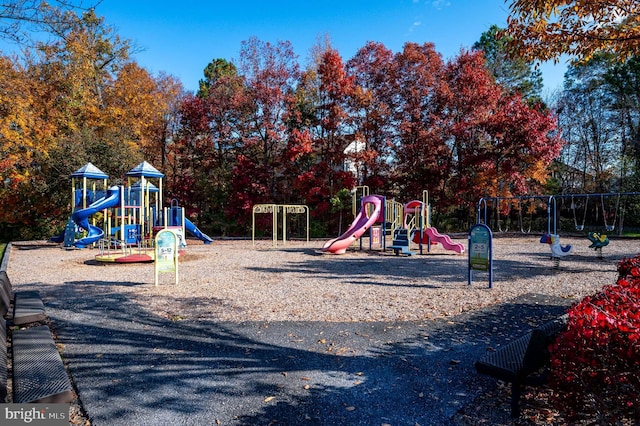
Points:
(270, 73)
(193, 141)
(326, 136)
(499, 144)
(273, 135)
(372, 107)
(422, 155)
(203, 156)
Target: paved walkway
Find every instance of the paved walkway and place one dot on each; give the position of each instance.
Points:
(144, 370)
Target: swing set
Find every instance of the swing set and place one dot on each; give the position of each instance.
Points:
(609, 214)
(601, 212)
(528, 207)
(606, 207)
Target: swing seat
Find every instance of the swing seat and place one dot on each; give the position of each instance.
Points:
(579, 228)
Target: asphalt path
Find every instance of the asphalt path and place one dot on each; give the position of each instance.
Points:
(133, 368)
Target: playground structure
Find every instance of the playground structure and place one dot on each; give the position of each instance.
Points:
(371, 212)
(605, 211)
(409, 223)
(129, 215)
(275, 210)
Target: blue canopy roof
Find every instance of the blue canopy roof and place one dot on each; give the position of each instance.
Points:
(145, 169)
(90, 172)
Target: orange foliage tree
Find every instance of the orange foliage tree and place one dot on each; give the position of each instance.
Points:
(74, 99)
(544, 30)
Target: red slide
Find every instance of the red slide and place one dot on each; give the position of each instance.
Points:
(434, 235)
(361, 223)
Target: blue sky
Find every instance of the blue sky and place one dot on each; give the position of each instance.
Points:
(181, 38)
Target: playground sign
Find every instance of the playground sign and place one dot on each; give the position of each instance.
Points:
(166, 253)
(480, 250)
(376, 231)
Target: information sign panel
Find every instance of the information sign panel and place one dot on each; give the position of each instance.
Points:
(166, 253)
(480, 250)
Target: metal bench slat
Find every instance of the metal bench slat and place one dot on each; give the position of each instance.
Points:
(38, 372)
(3, 360)
(6, 293)
(27, 305)
(28, 308)
(518, 359)
(507, 361)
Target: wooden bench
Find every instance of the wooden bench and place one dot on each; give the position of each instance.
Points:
(522, 361)
(22, 307)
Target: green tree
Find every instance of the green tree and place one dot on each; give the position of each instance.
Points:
(514, 73)
(212, 72)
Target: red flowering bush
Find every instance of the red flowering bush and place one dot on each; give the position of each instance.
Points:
(629, 267)
(595, 363)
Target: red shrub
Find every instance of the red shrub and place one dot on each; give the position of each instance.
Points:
(595, 363)
(629, 267)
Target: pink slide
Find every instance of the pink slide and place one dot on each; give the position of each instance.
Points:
(445, 240)
(357, 228)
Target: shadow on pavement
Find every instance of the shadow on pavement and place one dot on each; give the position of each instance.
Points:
(132, 367)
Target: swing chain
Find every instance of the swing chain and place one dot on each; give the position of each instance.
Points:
(584, 216)
(611, 227)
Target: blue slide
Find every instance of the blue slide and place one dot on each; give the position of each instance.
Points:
(193, 229)
(81, 217)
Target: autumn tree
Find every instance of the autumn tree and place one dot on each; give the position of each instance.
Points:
(141, 109)
(500, 145)
(24, 140)
(78, 65)
(372, 108)
(204, 152)
(422, 156)
(544, 30)
(72, 99)
(329, 137)
(270, 72)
